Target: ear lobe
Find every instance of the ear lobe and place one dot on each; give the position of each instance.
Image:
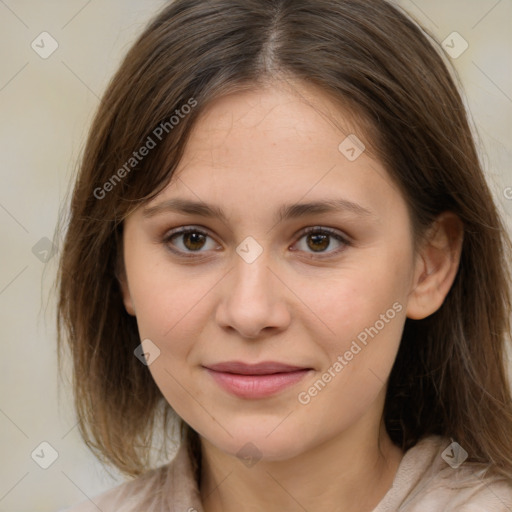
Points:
(436, 266)
(125, 291)
(127, 299)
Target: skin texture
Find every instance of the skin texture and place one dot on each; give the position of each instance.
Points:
(301, 301)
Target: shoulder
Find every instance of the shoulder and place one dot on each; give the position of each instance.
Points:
(168, 487)
(444, 480)
(468, 491)
(125, 497)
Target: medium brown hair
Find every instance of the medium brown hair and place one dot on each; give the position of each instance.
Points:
(449, 377)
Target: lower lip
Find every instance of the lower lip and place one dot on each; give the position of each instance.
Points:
(256, 386)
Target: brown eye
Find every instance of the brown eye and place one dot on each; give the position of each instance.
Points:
(193, 241)
(319, 240)
(188, 240)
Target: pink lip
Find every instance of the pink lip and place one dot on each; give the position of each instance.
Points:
(255, 380)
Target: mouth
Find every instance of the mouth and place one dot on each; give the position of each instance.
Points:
(252, 381)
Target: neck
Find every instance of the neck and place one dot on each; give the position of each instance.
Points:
(349, 473)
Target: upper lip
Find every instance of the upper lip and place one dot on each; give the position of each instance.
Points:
(264, 368)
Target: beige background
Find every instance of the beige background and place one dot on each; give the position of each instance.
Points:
(46, 106)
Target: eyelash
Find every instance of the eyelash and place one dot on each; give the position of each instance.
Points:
(309, 230)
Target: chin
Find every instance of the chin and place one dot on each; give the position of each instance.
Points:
(252, 442)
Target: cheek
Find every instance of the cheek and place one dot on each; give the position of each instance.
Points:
(170, 312)
(164, 297)
(366, 310)
(169, 307)
(359, 360)
(360, 299)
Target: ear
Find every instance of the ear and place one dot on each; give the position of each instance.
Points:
(120, 273)
(127, 298)
(436, 266)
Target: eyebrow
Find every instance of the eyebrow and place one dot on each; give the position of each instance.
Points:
(287, 211)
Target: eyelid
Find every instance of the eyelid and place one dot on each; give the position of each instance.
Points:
(331, 231)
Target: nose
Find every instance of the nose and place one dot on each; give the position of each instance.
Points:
(253, 300)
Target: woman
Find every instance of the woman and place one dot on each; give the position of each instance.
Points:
(281, 239)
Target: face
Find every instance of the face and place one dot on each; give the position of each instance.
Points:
(269, 322)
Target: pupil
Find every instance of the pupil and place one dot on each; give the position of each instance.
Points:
(319, 238)
(193, 237)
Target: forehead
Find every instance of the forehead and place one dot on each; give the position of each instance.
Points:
(278, 114)
(278, 145)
